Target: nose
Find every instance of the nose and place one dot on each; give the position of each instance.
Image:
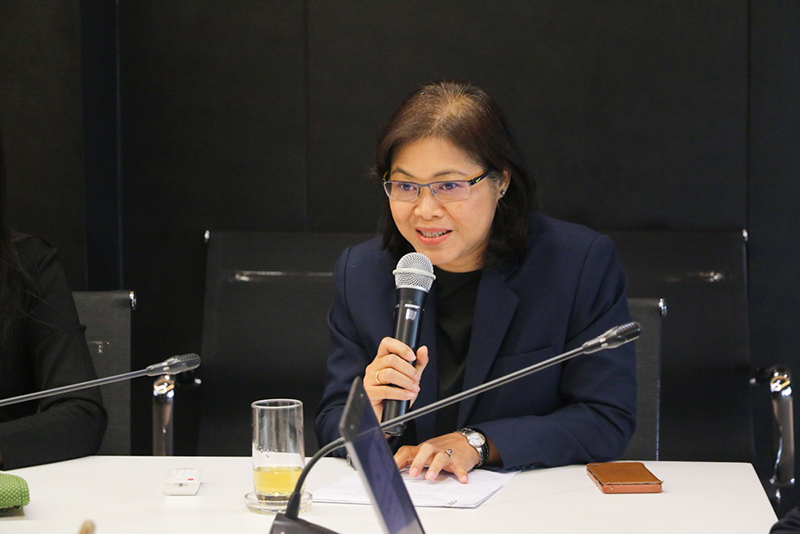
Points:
(427, 205)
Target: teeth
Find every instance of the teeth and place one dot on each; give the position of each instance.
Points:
(432, 234)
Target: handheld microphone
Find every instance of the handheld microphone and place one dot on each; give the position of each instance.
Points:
(170, 366)
(290, 523)
(413, 278)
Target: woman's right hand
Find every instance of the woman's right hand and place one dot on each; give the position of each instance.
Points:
(394, 365)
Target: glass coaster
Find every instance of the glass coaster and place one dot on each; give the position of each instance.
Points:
(265, 504)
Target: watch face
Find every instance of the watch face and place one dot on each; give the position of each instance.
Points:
(476, 439)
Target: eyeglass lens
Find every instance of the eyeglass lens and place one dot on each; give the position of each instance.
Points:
(409, 192)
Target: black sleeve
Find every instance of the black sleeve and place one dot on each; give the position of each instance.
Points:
(789, 523)
(51, 352)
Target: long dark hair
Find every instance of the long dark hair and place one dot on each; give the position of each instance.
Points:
(469, 118)
(12, 276)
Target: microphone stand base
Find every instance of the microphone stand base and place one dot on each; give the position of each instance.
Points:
(287, 525)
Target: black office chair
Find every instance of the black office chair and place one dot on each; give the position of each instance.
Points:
(706, 395)
(265, 331)
(107, 318)
(645, 442)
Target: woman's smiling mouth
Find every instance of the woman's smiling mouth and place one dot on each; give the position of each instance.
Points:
(431, 235)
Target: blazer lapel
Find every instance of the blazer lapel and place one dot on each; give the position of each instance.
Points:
(494, 308)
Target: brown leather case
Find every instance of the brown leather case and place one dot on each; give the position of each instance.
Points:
(623, 477)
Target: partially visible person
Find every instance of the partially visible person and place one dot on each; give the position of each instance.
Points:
(787, 524)
(42, 346)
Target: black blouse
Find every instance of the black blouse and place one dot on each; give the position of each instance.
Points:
(455, 308)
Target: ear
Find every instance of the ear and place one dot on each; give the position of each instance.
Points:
(506, 180)
(502, 187)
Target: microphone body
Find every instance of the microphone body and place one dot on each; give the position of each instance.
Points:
(408, 312)
(413, 279)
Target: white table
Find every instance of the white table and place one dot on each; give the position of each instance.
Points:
(123, 495)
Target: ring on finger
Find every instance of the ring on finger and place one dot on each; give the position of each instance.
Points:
(449, 452)
(378, 378)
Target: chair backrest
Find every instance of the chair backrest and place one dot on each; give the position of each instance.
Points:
(107, 318)
(705, 409)
(265, 332)
(645, 442)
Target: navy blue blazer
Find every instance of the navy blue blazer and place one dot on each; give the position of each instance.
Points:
(568, 288)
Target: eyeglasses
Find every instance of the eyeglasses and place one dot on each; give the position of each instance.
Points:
(450, 191)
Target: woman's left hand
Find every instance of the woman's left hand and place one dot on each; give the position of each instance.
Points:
(450, 452)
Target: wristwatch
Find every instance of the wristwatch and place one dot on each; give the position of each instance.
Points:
(477, 441)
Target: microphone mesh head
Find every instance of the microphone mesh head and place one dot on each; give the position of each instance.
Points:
(414, 270)
(191, 361)
(628, 332)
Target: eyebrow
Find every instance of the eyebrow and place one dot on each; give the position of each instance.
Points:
(437, 175)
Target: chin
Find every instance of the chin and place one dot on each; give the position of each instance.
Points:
(436, 259)
(437, 255)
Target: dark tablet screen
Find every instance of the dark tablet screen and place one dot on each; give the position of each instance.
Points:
(373, 459)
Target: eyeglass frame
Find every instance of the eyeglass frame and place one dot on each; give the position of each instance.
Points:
(470, 183)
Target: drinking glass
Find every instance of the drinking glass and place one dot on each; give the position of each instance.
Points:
(278, 455)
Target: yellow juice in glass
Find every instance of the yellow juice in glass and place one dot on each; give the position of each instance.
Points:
(276, 479)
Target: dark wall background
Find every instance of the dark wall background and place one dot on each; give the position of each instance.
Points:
(774, 182)
(41, 119)
(179, 116)
(618, 105)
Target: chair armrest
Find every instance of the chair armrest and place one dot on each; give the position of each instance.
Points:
(779, 380)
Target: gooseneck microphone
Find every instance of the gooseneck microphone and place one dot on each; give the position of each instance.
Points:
(619, 335)
(174, 365)
(170, 366)
(413, 278)
(613, 338)
(290, 523)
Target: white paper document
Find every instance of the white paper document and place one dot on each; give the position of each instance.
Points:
(444, 492)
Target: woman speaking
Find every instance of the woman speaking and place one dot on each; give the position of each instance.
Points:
(512, 288)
